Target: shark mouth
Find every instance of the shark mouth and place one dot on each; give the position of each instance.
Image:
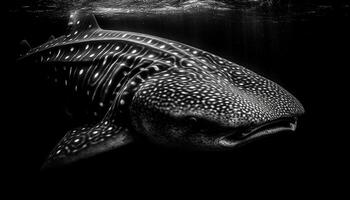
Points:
(232, 139)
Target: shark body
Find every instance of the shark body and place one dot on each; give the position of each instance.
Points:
(172, 93)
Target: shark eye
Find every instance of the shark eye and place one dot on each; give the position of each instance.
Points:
(195, 123)
(193, 120)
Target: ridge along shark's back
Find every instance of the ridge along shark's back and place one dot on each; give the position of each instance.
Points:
(172, 93)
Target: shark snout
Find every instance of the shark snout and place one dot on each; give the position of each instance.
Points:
(256, 131)
(276, 110)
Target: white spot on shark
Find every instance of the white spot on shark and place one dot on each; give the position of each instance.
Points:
(155, 67)
(122, 102)
(104, 60)
(58, 53)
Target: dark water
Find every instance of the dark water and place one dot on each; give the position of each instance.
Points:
(304, 50)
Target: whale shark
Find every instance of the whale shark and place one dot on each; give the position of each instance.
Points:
(172, 94)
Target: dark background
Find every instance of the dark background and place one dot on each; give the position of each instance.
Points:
(304, 48)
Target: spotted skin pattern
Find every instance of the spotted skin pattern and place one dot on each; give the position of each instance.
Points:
(124, 73)
(101, 137)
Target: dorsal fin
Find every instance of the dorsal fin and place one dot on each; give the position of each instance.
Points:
(51, 38)
(82, 21)
(24, 47)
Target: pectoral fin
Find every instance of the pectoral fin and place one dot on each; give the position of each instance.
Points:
(87, 141)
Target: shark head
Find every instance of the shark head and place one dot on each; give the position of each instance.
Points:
(212, 109)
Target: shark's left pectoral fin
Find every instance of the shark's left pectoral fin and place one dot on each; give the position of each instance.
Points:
(87, 141)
